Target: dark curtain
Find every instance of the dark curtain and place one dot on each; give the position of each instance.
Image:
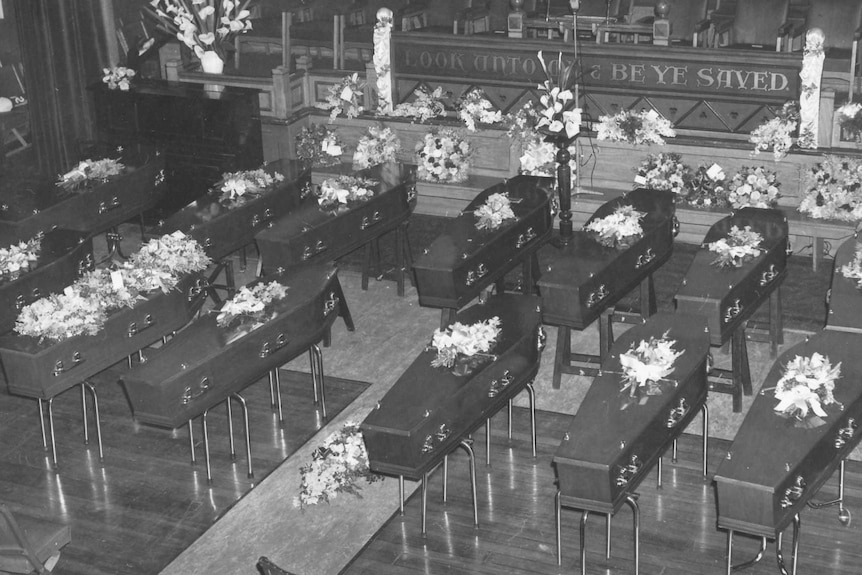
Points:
(63, 49)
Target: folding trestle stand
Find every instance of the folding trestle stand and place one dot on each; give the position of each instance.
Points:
(237, 397)
(315, 358)
(85, 386)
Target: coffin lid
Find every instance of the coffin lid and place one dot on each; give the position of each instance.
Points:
(845, 300)
(529, 194)
(600, 424)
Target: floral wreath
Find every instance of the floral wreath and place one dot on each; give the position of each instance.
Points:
(853, 270)
(475, 108)
(756, 187)
(250, 303)
(377, 146)
(341, 190)
(491, 214)
(777, 133)
(425, 106)
(644, 127)
(663, 171)
(237, 187)
(19, 258)
(740, 246)
(318, 146)
(118, 77)
(464, 340)
(620, 228)
(807, 385)
(88, 171)
(646, 365)
(443, 156)
(343, 98)
(835, 190)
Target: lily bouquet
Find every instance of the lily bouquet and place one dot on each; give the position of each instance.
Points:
(251, 304)
(238, 187)
(646, 365)
(853, 270)
(341, 190)
(118, 77)
(620, 228)
(89, 171)
(558, 111)
(491, 214)
(806, 385)
(644, 127)
(464, 340)
(202, 25)
(19, 258)
(739, 247)
(834, 190)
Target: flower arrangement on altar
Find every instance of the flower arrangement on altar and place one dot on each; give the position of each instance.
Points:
(704, 188)
(202, 25)
(850, 119)
(238, 187)
(425, 106)
(84, 306)
(19, 258)
(644, 127)
(496, 209)
(756, 187)
(521, 124)
(835, 190)
(621, 228)
(443, 156)
(319, 146)
(336, 467)
(250, 304)
(558, 114)
(853, 270)
(806, 385)
(341, 190)
(118, 77)
(645, 366)
(89, 171)
(475, 108)
(740, 246)
(343, 98)
(663, 172)
(459, 340)
(377, 146)
(777, 133)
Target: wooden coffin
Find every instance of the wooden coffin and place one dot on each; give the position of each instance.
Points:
(43, 369)
(845, 297)
(64, 256)
(464, 260)
(776, 465)
(614, 439)
(92, 209)
(430, 409)
(222, 229)
(203, 364)
(579, 280)
(729, 296)
(309, 234)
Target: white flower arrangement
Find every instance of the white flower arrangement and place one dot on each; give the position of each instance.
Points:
(662, 172)
(475, 108)
(853, 270)
(318, 146)
(704, 188)
(19, 258)
(539, 157)
(806, 385)
(557, 110)
(377, 146)
(850, 119)
(443, 156)
(834, 190)
(464, 340)
(203, 25)
(251, 303)
(756, 187)
(777, 133)
(739, 247)
(647, 364)
(521, 123)
(644, 127)
(88, 171)
(341, 190)
(336, 467)
(491, 214)
(619, 228)
(343, 98)
(236, 187)
(425, 106)
(118, 77)
(161, 262)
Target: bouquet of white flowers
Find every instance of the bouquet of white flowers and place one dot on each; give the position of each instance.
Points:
(740, 246)
(377, 146)
(662, 172)
(464, 340)
(443, 156)
(425, 106)
(850, 119)
(647, 364)
(341, 190)
(118, 77)
(777, 133)
(853, 270)
(251, 303)
(644, 127)
(237, 187)
(476, 108)
(19, 258)
(806, 385)
(755, 187)
(620, 228)
(490, 215)
(88, 171)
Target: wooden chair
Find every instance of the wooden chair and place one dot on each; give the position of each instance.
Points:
(28, 544)
(750, 23)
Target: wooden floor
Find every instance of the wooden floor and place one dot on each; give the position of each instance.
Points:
(516, 532)
(147, 503)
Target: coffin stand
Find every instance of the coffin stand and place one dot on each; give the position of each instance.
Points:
(205, 365)
(430, 411)
(845, 298)
(463, 261)
(64, 256)
(44, 369)
(582, 279)
(311, 235)
(776, 464)
(614, 440)
(728, 297)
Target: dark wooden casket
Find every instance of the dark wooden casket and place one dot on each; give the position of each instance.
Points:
(92, 209)
(43, 369)
(614, 439)
(204, 363)
(728, 296)
(429, 409)
(775, 465)
(845, 298)
(581, 279)
(464, 260)
(65, 255)
(222, 230)
(309, 234)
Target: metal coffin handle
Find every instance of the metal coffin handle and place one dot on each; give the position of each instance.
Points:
(597, 296)
(677, 414)
(133, 327)
(768, 276)
(645, 259)
(525, 238)
(793, 493)
(191, 393)
(105, 207)
(846, 433)
(475, 275)
(626, 473)
(733, 311)
(60, 369)
(372, 221)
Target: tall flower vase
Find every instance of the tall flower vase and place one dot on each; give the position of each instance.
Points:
(211, 63)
